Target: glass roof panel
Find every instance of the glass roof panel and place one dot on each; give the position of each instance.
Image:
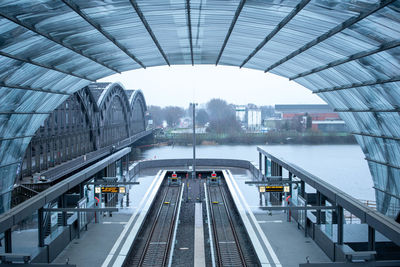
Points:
(50, 50)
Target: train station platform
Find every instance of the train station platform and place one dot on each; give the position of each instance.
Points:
(104, 242)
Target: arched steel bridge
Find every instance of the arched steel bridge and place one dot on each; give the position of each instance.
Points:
(345, 51)
(99, 116)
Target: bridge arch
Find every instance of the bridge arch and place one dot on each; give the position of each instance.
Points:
(114, 114)
(138, 112)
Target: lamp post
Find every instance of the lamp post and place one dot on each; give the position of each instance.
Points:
(194, 140)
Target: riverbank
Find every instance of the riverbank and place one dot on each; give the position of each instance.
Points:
(343, 166)
(311, 138)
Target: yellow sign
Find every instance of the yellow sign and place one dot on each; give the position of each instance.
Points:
(286, 189)
(262, 189)
(110, 189)
(274, 188)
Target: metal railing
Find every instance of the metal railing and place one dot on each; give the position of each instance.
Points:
(365, 212)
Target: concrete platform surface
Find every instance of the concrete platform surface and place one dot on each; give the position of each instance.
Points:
(287, 241)
(93, 246)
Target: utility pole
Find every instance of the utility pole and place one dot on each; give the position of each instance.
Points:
(194, 140)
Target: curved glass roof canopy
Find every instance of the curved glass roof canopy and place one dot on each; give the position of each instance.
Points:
(344, 50)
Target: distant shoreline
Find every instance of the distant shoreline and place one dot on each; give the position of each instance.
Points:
(255, 138)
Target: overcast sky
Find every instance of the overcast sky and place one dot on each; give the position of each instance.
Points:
(180, 85)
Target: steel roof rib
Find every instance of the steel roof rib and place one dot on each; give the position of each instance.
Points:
(228, 34)
(98, 27)
(383, 47)
(281, 24)
(376, 136)
(29, 61)
(47, 36)
(359, 84)
(383, 163)
(189, 25)
(366, 110)
(149, 30)
(25, 87)
(351, 21)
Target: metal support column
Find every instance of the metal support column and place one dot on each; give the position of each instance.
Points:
(64, 215)
(45, 151)
(272, 168)
(340, 224)
(318, 204)
(127, 166)
(37, 156)
(51, 143)
(323, 214)
(260, 162)
(40, 228)
(29, 159)
(7, 241)
(302, 189)
(371, 238)
(81, 190)
(265, 166)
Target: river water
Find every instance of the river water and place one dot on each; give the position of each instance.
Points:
(340, 165)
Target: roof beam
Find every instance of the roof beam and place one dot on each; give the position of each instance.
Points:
(351, 21)
(366, 110)
(29, 61)
(383, 163)
(355, 85)
(356, 56)
(9, 164)
(28, 88)
(15, 137)
(386, 192)
(376, 136)
(23, 113)
(189, 24)
(149, 30)
(95, 25)
(57, 41)
(281, 24)
(235, 18)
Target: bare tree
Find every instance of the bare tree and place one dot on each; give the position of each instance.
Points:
(172, 115)
(156, 115)
(222, 117)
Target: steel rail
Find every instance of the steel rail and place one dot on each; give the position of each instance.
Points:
(217, 248)
(176, 224)
(171, 230)
(153, 227)
(208, 209)
(224, 232)
(220, 261)
(233, 228)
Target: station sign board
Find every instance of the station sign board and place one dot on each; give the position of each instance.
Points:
(271, 188)
(110, 189)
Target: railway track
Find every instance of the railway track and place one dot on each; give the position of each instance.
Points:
(157, 246)
(226, 242)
